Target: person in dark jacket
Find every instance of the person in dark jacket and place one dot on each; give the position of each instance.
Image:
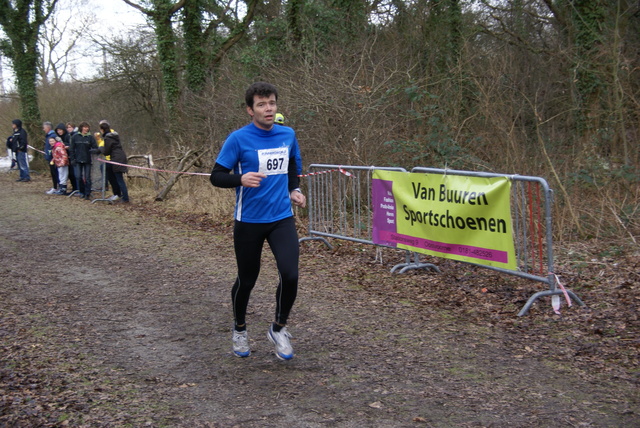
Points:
(108, 167)
(82, 146)
(19, 145)
(113, 148)
(61, 131)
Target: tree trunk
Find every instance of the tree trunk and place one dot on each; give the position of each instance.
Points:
(21, 23)
(194, 44)
(183, 166)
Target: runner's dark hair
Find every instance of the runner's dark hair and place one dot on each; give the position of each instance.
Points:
(261, 89)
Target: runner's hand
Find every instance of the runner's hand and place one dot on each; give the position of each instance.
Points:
(252, 179)
(298, 199)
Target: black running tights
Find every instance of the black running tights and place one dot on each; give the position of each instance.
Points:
(248, 240)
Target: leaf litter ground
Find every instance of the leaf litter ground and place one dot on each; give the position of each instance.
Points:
(114, 315)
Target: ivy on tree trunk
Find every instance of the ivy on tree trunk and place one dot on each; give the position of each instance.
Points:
(161, 13)
(21, 22)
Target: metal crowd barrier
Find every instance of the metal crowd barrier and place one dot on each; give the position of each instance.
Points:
(531, 200)
(98, 178)
(101, 168)
(339, 200)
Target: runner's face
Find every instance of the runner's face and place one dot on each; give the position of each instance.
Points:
(263, 111)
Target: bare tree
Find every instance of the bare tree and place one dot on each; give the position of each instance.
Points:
(59, 42)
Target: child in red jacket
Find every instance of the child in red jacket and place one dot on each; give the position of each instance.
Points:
(61, 161)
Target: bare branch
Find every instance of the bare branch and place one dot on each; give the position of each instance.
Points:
(138, 7)
(149, 12)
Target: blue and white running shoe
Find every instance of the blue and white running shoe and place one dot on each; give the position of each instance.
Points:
(241, 343)
(280, 339)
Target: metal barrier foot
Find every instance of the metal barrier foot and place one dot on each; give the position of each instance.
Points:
(408, 266)
(536, 296)
(102, 200)
(316, 238)
(415, 264)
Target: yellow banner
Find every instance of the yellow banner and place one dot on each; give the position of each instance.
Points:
(450, 216)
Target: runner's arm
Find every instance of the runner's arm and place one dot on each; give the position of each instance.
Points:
(294, 180)
(221, 177)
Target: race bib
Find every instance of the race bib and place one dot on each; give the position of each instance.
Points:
(274, 161)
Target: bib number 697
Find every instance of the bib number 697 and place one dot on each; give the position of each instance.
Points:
(273, 161)
(275, 164)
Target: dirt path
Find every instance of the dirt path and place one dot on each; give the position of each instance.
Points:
(116, 316)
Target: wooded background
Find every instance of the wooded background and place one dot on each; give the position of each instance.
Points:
(548, 88)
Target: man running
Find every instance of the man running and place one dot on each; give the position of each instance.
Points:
(265, 175)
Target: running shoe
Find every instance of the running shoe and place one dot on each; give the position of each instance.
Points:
(280, 339)
(51, 191)
(241, 343)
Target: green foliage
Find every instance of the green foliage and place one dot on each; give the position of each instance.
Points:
(442, 30)
(353, 15)
(312, 28)
(321, 26)
(166, 40)
(5, 47)
(194, 43)
(599, 172)
(270, 45)
(587, 20)
(21, 22)
(434, 145)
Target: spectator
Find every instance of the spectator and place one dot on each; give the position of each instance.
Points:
(77, 186)
(113, 149)
(47, 127)
(111, 178)
(82, 146)
(61, 161)
(19, 145)
(65, 137)
(71, 129)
